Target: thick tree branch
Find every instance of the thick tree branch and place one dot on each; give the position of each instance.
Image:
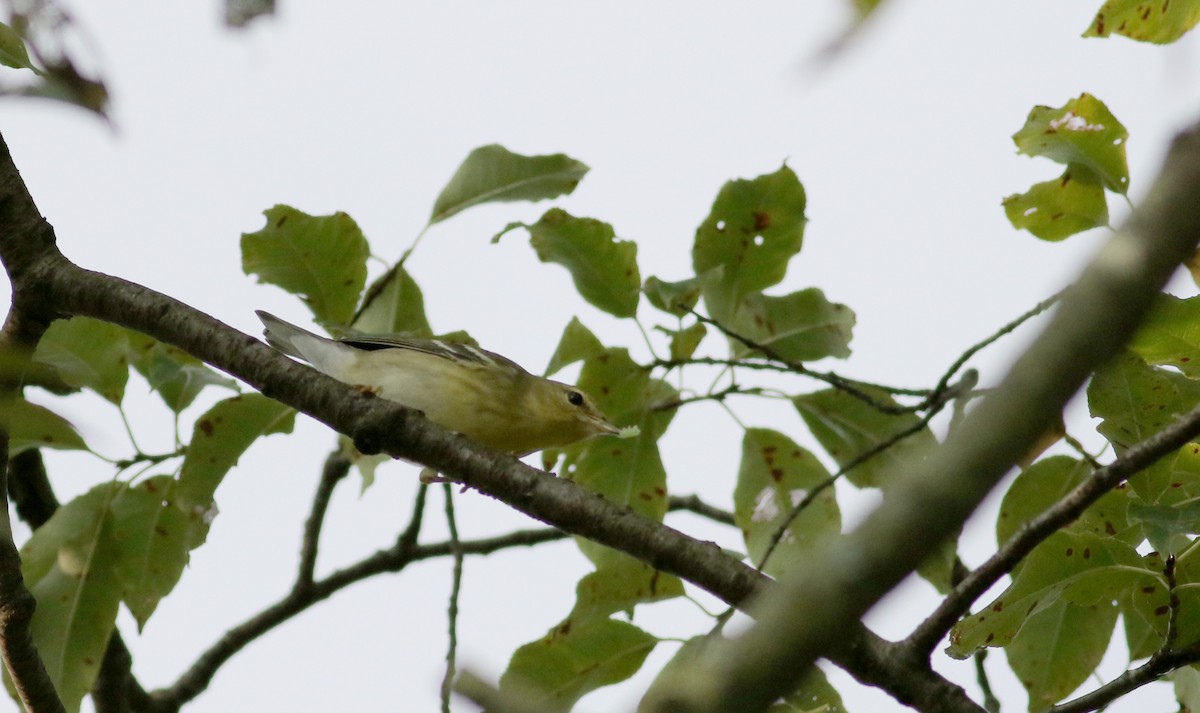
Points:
(20, 224)
(843, 579)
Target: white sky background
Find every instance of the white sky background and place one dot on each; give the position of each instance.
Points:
(902, 143)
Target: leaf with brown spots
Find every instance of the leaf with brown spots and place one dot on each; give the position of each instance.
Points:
(754, 229)
(573, 659)
(32, 426)
(801, 326)
(1081, 133)
(775, 475)
(1056, 210)
(153, 537)
(1157, 21)
(69, 566)
(222, 434)
(1055, 572)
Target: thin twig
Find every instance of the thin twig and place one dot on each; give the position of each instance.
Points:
(718, 396)
(812, 494)
(456, 552)
(337, 465)
(394, 559)
(693, 503)
(990, 703)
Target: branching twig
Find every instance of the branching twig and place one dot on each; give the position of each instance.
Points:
(811, 496)
(1159, 665)
(927, 635)
(842, 579)
(393, 559)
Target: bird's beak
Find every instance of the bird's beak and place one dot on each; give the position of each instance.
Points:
(601, 426)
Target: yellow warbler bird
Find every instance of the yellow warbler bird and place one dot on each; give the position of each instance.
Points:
(482, 395)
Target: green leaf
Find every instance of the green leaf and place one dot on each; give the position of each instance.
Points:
(685, 341)
(1059, 648)
(603, 268)
(177, 377)
(220, 437)
(1056, 210)
(69, 567)
(493, 173)
(576, 344)
(1136, 401)
(802, 326)
(322, 259)
(1083, 132)
(33, 426)
(1148, 604)
(152, 538)
(1075, 567)
(619, 585)
(847, 427)
(575, 658)
(88, 353)
(1160, 23)
(753, 230)
(775, 475)
(626, 471)
(1171, 334)
(12, 49)
(677, 298)
(1045, 483)
(398, 306)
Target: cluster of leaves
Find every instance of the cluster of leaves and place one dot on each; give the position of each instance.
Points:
(126, 540)
(1131, 556)
(741, 249)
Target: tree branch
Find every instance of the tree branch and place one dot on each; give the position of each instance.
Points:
(1139, 457)
(844, 578)
(50, 285)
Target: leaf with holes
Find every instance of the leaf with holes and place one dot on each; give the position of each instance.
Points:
(775, 476)
(754, 228)
(1056, 210)
(1083, 131)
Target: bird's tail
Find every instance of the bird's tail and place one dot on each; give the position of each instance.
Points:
(283, 335)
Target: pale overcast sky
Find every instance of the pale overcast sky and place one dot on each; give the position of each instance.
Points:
(902, 142)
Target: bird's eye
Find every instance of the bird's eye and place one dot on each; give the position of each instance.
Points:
(575, 398)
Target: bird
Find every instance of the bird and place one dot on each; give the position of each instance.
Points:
(486, 397)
